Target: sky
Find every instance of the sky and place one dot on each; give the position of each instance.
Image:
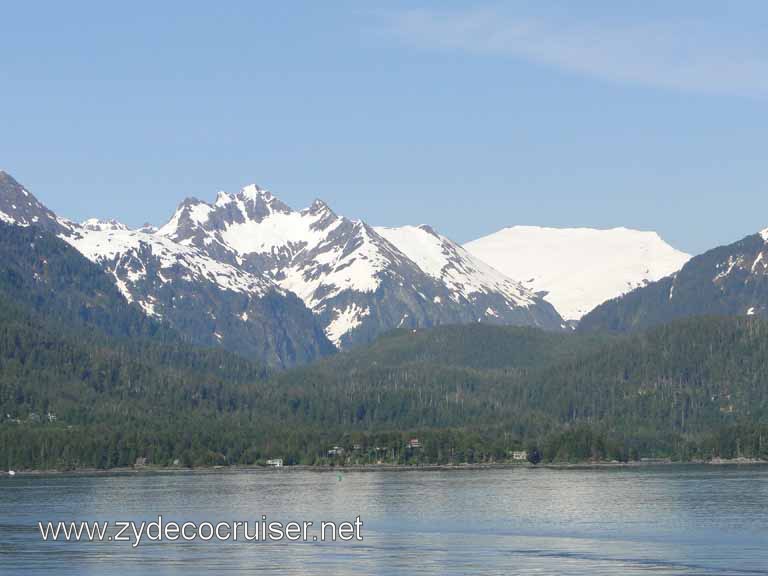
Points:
(469, 116)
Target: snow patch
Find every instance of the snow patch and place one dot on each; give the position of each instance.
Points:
(344, 321)
(732, 263)
(149, 307)
(199, 212)
(277, 230)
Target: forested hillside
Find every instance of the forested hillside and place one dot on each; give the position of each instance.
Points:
(51, 280)
(687, 390)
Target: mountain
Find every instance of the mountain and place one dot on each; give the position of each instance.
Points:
(18, 206)
(729, 280)
(55, 282)
(286, 286)
(359, 281)
(578, 268)
(209, 302)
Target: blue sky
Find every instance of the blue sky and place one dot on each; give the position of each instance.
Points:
(468, 116)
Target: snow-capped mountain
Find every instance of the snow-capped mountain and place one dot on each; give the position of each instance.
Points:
(211, 302)
(249, 273)
(725, 281)
(578, 268)
(360, 281)
(466, 276)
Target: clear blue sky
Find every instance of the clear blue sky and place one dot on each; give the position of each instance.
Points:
(469, 116)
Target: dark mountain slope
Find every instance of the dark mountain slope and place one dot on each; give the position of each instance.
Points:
(728, 280)
(52, 279)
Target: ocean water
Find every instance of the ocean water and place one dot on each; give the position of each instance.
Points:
(649, 520)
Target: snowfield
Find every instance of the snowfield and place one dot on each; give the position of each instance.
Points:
(578, 268)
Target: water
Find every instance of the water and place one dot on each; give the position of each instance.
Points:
(656, 520)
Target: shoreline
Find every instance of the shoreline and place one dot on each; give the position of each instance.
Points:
(150, 469)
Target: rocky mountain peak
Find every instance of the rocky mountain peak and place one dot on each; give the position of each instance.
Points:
(259, 202)
(18, 206)
(317, 207)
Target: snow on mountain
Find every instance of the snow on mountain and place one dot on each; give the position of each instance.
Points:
(359, 280)
(211, 301)
(122, 252)
(578, 268)
(218, 270)
(450, 263)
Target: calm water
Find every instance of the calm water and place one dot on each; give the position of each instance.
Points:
(661, 520)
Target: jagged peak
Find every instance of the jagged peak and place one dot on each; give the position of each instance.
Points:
(318, 207)
(253, 191)
(260, 201)
(764, 234)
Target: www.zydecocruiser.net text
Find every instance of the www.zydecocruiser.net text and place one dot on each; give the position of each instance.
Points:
(160, 530)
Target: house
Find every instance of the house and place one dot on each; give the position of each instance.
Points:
(414, 443)
(141, 461)
(336, 451)
(275, 463)
(519, 455)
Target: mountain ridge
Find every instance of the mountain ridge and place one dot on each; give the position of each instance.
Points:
(356, 280)
(251, 274)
